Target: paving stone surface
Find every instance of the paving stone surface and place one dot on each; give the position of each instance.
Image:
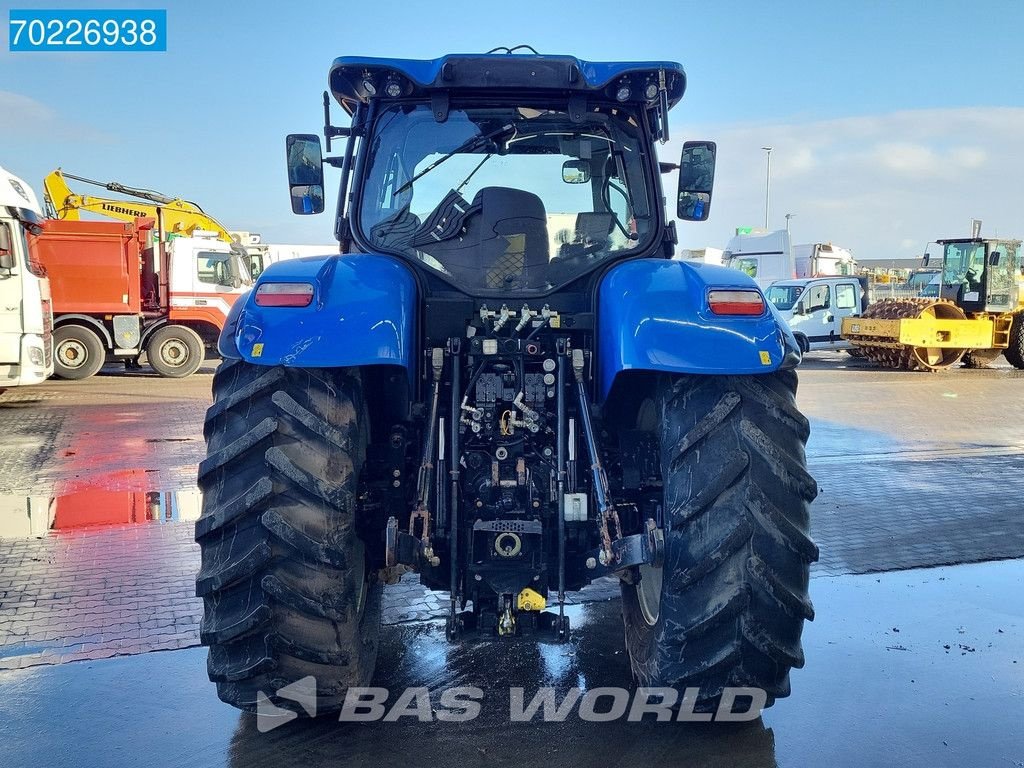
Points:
(914, 471)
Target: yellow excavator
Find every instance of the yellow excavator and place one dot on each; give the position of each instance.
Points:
(976, 314)
(175, 217)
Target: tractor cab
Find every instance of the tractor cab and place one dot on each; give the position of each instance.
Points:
(981, 275)
(505, 174)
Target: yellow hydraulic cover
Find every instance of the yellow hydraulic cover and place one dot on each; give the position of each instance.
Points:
(529, 600)
(924, 331)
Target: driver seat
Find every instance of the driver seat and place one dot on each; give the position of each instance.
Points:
(513, 227)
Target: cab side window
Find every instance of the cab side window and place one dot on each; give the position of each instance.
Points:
(846, 296)
(817, 298)
(6, 246)
(746, 265)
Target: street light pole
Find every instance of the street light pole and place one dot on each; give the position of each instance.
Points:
(767, 186)
(788, 217)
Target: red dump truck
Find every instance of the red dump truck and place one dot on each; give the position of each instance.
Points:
(119, 292)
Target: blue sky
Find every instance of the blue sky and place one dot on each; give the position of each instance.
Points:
(893, 122)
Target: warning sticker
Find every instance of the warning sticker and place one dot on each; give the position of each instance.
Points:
(766, 359)
(257, 351)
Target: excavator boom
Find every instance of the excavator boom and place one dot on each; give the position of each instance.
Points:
(175, 217)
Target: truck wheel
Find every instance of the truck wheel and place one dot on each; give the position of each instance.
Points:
(1014, 353)
(728, 607)
(78, 352)
(175, 351)
(286, 593)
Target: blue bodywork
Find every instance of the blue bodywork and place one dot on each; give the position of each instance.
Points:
(653, 315)
(363, 313)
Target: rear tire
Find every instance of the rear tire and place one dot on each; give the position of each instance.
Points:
(733, 597)
(1014, 353)
(175, 351)
(285, 589)
(78, 353)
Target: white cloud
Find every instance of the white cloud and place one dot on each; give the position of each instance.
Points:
(908, 158)
(20, 115)
(23, 118)
(882, 185)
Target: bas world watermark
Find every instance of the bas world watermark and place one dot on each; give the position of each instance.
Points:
(465, 703)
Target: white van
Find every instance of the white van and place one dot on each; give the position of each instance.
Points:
(815, 307)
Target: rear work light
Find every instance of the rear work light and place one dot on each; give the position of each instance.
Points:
(724, 302)
(284, 295)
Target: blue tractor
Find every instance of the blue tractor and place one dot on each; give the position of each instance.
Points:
(504, 383)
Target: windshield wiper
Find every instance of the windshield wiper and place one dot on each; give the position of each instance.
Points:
(467, 146)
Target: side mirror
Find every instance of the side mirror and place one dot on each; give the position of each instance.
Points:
(576, 171)
(307, 199)
(798, 309)
(305, 173)
(696, 179)
(993, 259)
(925, 259)
(5, 238)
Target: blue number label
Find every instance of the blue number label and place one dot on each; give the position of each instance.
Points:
(87, 30)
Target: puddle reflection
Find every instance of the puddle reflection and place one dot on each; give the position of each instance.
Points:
(35, 516)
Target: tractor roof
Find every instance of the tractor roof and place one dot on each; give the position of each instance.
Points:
(355, 78)
(958, 240)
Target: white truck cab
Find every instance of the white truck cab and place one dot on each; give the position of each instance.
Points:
(764, 256)
(26, 319)
(815, 307)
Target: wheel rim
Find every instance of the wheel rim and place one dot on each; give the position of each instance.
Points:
(648, 593)
(72, 354)
(363, 586)
(174, 353)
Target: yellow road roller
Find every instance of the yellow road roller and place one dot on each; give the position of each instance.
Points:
(976, 315)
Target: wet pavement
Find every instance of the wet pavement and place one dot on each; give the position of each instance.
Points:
(915, 668)
(97, 496)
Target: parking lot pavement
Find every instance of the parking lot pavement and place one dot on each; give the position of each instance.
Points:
(913, 668)
(914, 469)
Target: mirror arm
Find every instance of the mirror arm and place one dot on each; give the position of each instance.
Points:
(663, 106)
(331, 131)
(360, 120)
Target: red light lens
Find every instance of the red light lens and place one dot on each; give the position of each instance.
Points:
(284, 295)
(736, 302)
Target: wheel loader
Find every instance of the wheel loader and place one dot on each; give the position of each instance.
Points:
(504, 386)
(977, 316)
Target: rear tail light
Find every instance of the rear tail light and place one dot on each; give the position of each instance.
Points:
(736, 302)
(284, 295)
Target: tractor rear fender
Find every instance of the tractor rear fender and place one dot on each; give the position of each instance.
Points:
(362, 312)
(654, 315)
